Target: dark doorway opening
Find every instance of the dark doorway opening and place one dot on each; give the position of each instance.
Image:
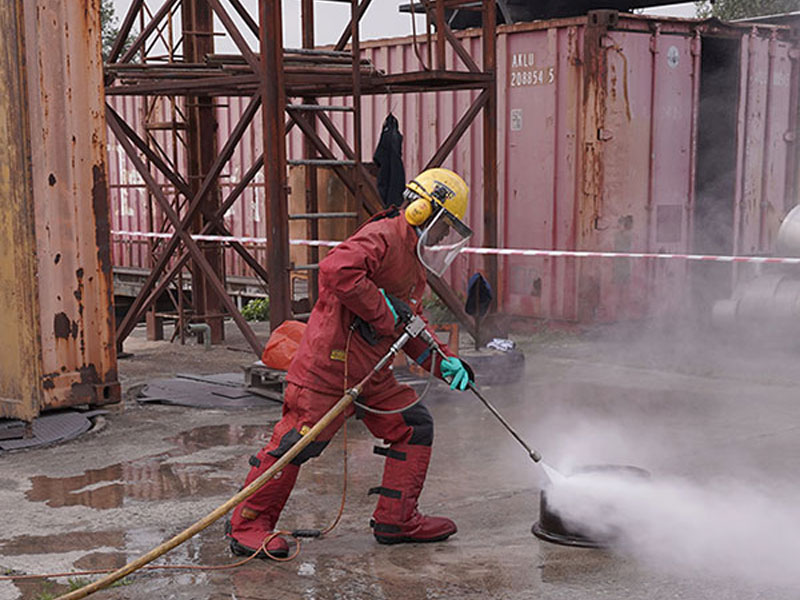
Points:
(715, 187)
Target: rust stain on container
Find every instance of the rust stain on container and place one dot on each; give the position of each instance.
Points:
(101, 214)
(64, 328)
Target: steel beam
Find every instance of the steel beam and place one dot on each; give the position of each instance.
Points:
(201, 150)
(274, 102)
(458, 131)
(309, 152)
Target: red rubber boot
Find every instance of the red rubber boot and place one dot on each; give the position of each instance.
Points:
(254, 519)
(396, 519)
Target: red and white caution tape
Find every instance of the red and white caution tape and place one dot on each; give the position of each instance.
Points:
(222, 238)
(499, 251)
(582, 254)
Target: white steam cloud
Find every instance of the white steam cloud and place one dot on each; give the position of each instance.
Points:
(720, 529)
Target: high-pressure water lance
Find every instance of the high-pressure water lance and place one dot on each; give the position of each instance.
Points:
(534, 455)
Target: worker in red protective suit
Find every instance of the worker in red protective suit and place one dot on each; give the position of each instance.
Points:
(366, 284)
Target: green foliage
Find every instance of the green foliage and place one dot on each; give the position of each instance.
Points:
(729, 10)
(256, 310)
(109, 28)
(436, 311)
(47, 591)
(76, 583)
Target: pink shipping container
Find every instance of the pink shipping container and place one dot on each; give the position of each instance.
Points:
(616, 132)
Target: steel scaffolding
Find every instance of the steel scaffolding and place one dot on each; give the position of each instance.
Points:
(286, 85)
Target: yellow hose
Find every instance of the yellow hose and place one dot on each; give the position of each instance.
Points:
(223, 509)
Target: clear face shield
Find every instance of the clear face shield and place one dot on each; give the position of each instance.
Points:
(441, 241)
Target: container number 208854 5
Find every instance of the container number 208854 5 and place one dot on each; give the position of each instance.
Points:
(533, 77)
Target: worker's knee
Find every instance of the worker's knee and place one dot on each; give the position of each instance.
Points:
(419, 419)
(289, 439)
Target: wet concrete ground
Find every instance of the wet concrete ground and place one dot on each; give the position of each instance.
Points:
(662, 401)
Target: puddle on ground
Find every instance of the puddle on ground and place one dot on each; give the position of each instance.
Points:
(209, 436)
(150, 478)
(61, 543)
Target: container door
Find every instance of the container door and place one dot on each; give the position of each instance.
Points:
(20, 352)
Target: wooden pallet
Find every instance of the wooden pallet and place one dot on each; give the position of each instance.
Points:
(264, 381)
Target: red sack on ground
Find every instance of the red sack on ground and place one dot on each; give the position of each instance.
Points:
(282, 345)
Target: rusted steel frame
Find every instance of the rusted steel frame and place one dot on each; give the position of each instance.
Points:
(458, 131)
(214, 222)
(113, 119)
(242, 12)
(273, 95)
(372, 199)
(124, 30)
(430, 80)
(235, 34)
(313, 84)
(197, 17)
(490, 147)
(220, 85)
(312, 136)
(148, 29)
(456, 44)
(355, 48)
(181, 233)
(440, 38)
(312, 189)
(163, 284)
(345, 37)
(159, 31)
(160, 150)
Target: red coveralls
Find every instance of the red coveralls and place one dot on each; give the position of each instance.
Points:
(381, 254)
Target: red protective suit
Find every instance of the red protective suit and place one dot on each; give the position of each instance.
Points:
(381, 254)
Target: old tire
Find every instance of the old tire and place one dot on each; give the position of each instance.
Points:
(493, 367)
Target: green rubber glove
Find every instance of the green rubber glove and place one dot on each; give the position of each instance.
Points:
(454, 371)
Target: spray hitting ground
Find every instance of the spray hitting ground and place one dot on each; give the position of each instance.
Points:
(716, 425)
(720, 529)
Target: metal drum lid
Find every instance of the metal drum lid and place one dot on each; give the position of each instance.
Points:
(551, 528)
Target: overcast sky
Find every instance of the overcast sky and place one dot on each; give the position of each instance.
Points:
(382, 19)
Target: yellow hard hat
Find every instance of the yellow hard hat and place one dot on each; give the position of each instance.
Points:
(441, 188)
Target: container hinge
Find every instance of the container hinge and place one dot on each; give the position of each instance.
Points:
(604, 134)
(790, 136)
(694, 46)
(654, 38)
(794, 53)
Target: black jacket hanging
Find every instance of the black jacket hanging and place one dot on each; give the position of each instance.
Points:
(389, 159)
